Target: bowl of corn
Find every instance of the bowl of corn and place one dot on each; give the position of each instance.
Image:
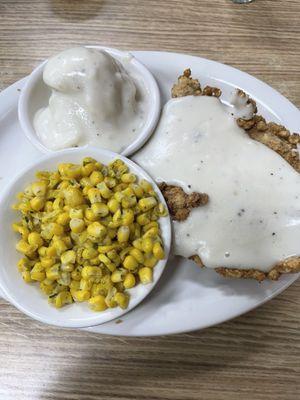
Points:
(85, 237)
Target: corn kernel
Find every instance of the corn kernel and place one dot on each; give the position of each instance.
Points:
(77, 225)
(25, 248)
(122, 300)
(63, 218)
(106, 193)
(39, 189)
(89, 253)
(123, 234)
(128, 178)
(147, 203)
(146, 186)
(128, 217)
(53, 272)
(96, 177)
(138, 244)
(59, 246)
(37, 203)
(130, 263)
(56, 229)
(137, 254)
(26, 276)
(94, 195)
(73, 197)
(100, 209)
(158, 251)
(47, 262)
(143, 219)
(35, 238)
(97, 303)
(86, 284)
(129, 281)
(96, 229)
(150, 261)
(76, 213)
(58, 204)
(147, 245)
(117, 276)
(145, 275)
(91, 273)
(68, 257)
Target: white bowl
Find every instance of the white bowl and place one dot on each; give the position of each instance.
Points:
(36, 93)
(28, 297)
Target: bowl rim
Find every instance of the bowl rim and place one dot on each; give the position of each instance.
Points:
(118, 312)
(147, 77)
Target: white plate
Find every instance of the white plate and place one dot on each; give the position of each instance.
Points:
(186, 298)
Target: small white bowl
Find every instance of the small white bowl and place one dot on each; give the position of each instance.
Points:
(36, 93)
(27, 297)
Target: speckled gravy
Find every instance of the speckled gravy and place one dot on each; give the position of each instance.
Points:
(252, 219)
(94, 101)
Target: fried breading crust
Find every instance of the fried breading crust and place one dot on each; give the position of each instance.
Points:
(273, 135)
(187, 86)
(179, 203)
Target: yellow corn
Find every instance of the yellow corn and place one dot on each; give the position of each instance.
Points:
(89, 253)
(123, 234)
(76, 213)
(47, 262)
(158, 251)
(58, 204)
(128, 178)
(59, 246)
(94, 195)
(76, 275)
(146, 186)
(53, 272)
(122, 300)
(100, 209)
(137, 254)
(117, 276)
(147, 203)
(26, 276)
(86, 284)
(129, 281)
(138, 244)
(67, 267)
(106, 193)
(56, 229)
(128, 217)
(37, 203)
(68, 257)
(63, 218)
(68, 212)
(130, 263)
(26, 248)
(96, 177)
(150, 261)
(77, 225)
(73, 197)
(147, 244)
(35, 239)
(97, 303)
(145, 275)
(96, 229)
(39, 188)
(87, 169)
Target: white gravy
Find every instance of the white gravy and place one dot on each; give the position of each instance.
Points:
(94, 101)
(252, 219)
